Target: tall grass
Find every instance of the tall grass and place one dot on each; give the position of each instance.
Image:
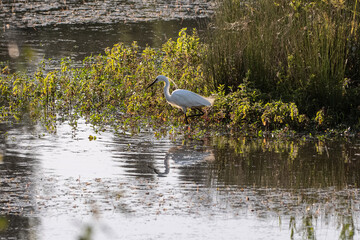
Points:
(302, 51)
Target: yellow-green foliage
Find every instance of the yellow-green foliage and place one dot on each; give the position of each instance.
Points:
(109, 88)
(244, 108)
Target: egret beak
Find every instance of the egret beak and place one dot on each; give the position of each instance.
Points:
(151, 84)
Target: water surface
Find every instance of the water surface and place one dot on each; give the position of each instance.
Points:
(141, 187)
(76, 42)
(33, 31)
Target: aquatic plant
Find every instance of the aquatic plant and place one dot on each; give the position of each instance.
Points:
(108, 90)
(244, 108)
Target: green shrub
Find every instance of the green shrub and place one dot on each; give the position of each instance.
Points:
(244, 109)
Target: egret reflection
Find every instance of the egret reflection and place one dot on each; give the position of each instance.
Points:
(183, 156)
(13, 50)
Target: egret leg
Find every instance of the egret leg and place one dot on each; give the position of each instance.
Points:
(185, 119)
(197, 115)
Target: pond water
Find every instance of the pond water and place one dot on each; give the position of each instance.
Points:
(141, 187)
(76, 42)
(65, 185)
(33, 30)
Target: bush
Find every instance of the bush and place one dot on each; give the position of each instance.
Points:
(244, 109)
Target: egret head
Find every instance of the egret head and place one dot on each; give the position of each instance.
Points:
(159, 78)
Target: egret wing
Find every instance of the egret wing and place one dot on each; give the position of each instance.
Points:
(188, 99)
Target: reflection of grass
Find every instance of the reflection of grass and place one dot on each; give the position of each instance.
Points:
(87, 233)
(309, 229)
(3, 224)
(293, 164)
(347, 228)
(307, 181)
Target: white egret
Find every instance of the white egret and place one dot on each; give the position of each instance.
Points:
(183, 99)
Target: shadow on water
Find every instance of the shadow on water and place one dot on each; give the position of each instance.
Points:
(306, 189)
(33, 30)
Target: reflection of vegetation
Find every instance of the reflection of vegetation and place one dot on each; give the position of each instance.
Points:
(292, 226)
(309, 230)
(87, 233)
(347, 228)
(277, 163)
(309, 181)
(3, 224)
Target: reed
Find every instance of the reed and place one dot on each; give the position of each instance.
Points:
(302, 51)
